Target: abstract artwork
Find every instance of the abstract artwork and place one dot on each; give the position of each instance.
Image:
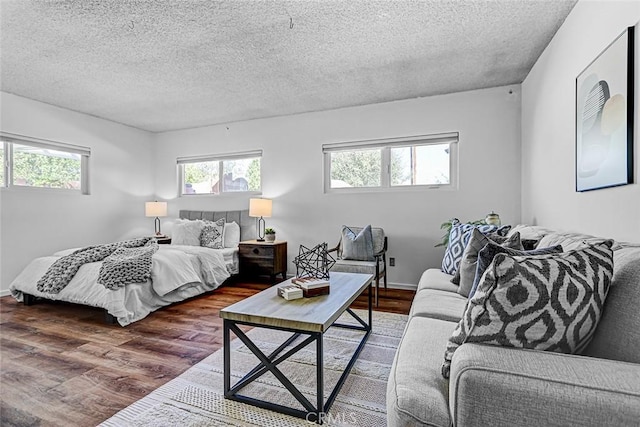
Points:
(604, 118)
(313, 262)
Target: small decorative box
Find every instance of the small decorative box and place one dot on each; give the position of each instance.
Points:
(315, 291)
(312, 286)
(290, 292)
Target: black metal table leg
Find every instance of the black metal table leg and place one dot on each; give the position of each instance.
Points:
(227, 357)
(320, 378)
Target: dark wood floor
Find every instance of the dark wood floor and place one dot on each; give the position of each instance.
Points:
(62, 365)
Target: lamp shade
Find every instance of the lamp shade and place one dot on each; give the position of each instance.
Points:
(260, 207)
(156, 209)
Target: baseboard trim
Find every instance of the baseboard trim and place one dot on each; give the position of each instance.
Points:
(5, 293)
(402, 286)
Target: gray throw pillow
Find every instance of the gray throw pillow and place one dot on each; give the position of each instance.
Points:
(212, 235)
(486, 255)
(357, 247)
(544, 302)
(473, 254)
(467, 268)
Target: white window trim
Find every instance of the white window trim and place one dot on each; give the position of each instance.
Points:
(452, 138)
(217, 158)
(9, 139)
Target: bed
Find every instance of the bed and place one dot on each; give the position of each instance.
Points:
(177, 272)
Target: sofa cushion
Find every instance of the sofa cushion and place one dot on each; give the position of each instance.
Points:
(349, 266)
(544, 302)
(416, 392)
(570, 241)
(530, 232)
(467, 268)
(459, 237)
(618, 334)
(434, 278)
(438, 304)
(499, 386)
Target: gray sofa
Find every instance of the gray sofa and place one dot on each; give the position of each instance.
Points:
(498, 386)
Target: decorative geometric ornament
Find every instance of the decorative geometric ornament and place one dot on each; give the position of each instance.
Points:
(315, 262)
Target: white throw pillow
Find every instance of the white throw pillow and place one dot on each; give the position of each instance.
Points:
(231, 235)
(187, 232)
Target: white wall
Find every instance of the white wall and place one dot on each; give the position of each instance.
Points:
(39, 222)
(548, 128)
(489, 179)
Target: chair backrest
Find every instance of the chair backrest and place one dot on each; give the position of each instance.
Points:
(378, 238)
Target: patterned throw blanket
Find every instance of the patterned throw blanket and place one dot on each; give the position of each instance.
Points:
(125, 262)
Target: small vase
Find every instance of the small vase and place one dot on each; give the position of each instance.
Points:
(493, 219)
(270, 237)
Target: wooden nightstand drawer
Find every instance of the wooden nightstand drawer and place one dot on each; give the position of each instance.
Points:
(256, 251)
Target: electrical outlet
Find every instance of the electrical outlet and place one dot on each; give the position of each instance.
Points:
(392, 262)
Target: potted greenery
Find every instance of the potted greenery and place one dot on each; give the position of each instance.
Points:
(269, 234)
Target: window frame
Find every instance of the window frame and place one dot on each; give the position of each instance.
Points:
(9, 139)
(181, 161)
(385, 145)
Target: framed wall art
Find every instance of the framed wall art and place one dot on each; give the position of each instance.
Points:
(604, 117)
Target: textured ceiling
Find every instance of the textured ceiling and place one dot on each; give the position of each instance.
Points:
(164, 65)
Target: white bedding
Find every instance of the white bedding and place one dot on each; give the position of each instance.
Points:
(178, 272)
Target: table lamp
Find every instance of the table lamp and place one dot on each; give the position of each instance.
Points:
(157, 209)
(260, 208)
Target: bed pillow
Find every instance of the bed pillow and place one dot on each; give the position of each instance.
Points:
(187, 232)
(467, 269)
(357, 247)
(544, 302)
(231, 235)
(212, 235)
(459, 237)
(486, 255)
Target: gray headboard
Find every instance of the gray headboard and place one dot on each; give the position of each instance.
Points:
(247, 224)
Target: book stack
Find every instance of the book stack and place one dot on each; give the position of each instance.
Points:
(311, 286)
(290, 292)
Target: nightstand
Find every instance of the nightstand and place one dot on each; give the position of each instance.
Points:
(166, 240)
(263, 258)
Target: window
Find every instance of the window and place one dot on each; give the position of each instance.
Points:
(418, 161)
(30, 162)
(229, 173)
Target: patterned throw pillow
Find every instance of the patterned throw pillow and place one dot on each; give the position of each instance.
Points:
(459, 237)
(543, 302)
(357, 247)
(467, 268)
(212, 235)
(486, 255)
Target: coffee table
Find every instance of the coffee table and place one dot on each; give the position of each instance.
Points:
(310, 317)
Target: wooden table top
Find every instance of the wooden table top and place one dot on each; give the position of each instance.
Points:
(315, 314)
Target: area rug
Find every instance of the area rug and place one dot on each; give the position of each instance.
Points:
(196, 397)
